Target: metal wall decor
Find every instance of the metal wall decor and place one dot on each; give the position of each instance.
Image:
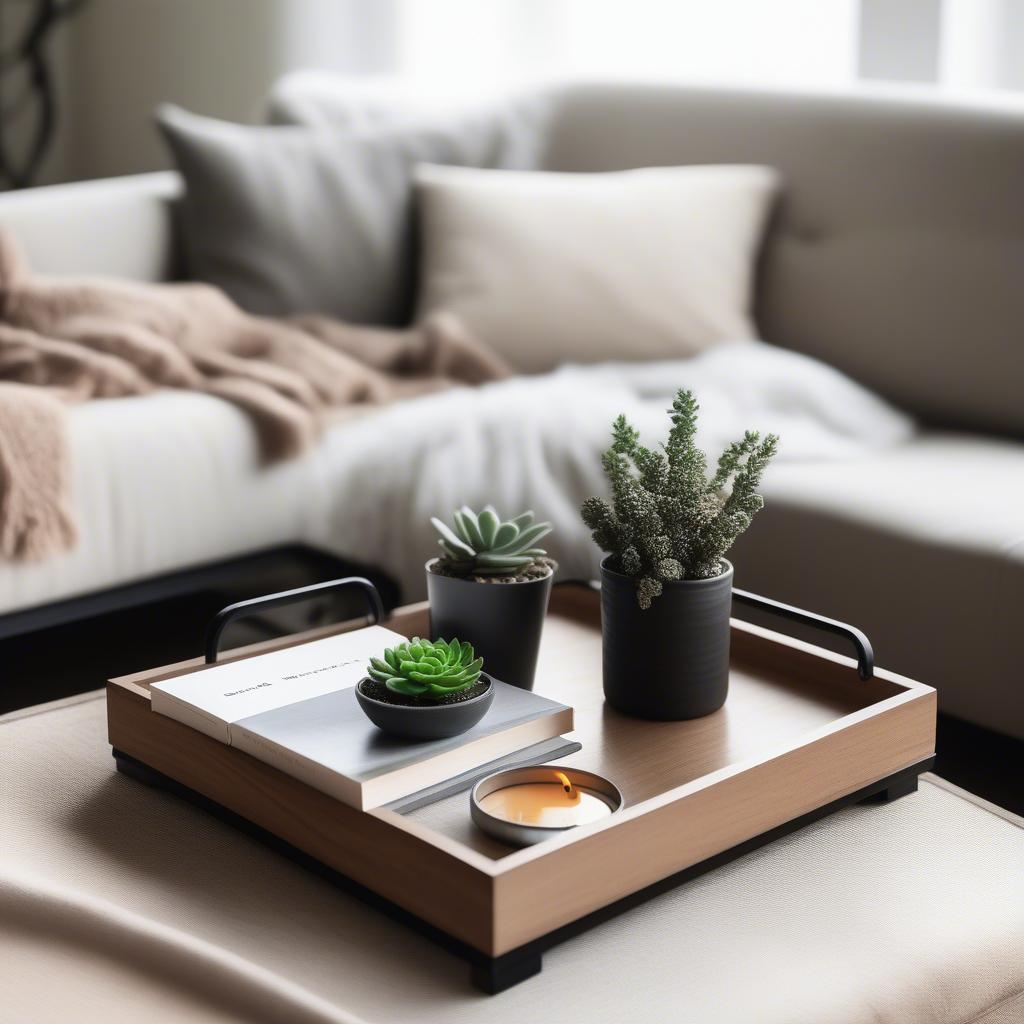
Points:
(28, 105)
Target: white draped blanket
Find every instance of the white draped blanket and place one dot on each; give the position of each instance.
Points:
(535, 442)
(174, 479)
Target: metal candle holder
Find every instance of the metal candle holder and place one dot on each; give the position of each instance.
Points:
(519, 833)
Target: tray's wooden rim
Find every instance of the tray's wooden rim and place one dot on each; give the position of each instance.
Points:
(138, 683)
(671, 796)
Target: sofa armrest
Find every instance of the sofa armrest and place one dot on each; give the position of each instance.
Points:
(120, 226)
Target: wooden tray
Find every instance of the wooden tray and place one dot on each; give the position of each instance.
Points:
(800, 735)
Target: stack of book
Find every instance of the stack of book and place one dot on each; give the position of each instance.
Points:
(295, 709)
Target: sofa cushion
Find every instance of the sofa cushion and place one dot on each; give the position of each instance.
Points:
(551, 268)
(897, 251)
(295, 220)
(920, 545)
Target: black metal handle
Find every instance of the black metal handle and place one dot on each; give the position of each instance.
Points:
(865, 656)
(242, 608)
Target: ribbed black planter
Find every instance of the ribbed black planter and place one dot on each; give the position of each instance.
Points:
(670, 661)
(503, 621)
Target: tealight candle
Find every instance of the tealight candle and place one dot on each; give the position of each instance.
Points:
(525, 805)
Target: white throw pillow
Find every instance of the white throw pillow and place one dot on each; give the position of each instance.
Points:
(548, 268)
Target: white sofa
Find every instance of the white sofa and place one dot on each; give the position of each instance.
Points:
(897, 255)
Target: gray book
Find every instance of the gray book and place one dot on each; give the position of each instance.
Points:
(295, 709)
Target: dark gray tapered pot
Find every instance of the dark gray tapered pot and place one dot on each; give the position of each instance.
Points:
(503, 621)
(670, 661)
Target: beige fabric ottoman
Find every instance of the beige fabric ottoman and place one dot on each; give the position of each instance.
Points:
(118, 902)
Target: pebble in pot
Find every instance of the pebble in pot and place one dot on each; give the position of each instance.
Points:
(666, 587)
(491, 585)
(426, 690)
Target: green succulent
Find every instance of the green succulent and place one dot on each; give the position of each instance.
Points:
(482, 544)
(427, 669)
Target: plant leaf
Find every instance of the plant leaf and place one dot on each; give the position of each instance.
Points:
(473, 527)
(489, 523)
(450, 538)
(462, 528)
(449, 686)
(425, 677)
(535, 533)
(507, 534)
(410, 689)
(525, 539)
(456, 555)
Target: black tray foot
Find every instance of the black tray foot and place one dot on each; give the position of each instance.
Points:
(139, 771)
(898, 786)
(495, 974)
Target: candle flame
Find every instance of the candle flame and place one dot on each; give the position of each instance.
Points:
(566, 784)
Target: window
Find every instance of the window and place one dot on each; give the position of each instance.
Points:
(804, 42)
(953, 44)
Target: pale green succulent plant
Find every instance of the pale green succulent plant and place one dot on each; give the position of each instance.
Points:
(430, 670)
(483, 545)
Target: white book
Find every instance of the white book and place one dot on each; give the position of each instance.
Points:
(296, 710)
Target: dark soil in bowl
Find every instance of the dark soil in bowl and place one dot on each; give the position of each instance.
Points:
(378, 691)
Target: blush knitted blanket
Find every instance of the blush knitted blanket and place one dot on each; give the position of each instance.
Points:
(68, 340)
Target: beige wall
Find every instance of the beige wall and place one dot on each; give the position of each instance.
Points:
(119, 58)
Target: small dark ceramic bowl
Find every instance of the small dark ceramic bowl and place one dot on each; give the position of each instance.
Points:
(426, 723)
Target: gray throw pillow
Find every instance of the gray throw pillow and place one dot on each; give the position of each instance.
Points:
(299, 220)
(516, 121)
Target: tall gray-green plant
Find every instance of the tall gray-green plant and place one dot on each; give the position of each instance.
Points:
(668, 520)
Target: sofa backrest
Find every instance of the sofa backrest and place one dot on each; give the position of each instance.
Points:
(118, 226)
(897, 251)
